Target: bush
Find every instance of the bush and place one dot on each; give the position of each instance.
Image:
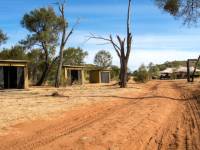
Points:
(141, 75)
(115, 73)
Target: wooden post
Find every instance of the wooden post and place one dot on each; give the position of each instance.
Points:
(82, 77)
(26, 84)
(99, 76)
(195, 68)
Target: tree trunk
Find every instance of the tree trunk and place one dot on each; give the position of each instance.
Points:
(59, 70)
(64, 40)
(124, 69)
(195, 68)
(44, 75)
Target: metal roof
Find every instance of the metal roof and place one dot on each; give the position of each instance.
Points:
(91, 68)
(71, 66)
(168, 70)
(177, 70)
(14, 61)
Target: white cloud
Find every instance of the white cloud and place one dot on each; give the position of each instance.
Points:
(146, 48)
(166, 42)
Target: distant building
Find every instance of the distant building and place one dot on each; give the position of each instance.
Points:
(77, 74)
(177, 73)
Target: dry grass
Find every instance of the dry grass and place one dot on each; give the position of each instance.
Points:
(22, 105)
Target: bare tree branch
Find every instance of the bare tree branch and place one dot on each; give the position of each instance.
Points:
(71, 31)
(110, 40)
(122, 51)
(129, 36)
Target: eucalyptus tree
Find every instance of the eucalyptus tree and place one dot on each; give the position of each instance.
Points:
(74, 56)
(3, 37)
(103, 59)
(188, 10)
(44, 27)
(15, 52)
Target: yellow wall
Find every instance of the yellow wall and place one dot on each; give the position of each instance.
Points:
(95, 76)
(26, 78)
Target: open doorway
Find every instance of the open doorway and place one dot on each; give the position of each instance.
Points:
(11, 77)
(74, 76)
(1, 78)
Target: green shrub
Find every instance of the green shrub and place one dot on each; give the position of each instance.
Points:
(141, 75)
(115, 73)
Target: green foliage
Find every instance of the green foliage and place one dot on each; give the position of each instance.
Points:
(141, 75)
(115, 72)
(17, 53)
(3, 37)
(188, 10)
(44, 26)
(103, 59)
(173, 64)
(36, 64)
(74, 56)
(171, 6)
(153, 71)
(198, 65)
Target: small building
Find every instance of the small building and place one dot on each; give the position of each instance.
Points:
(13, 74)
(167, 73)
(100, 76)
(73, 74)
(78, 74)
(178, 73)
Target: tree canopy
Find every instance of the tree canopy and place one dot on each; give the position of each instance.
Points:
(103, 59)
(3, 37)
(44, 27)
(74, 56)
(188, 10)
(15, 52)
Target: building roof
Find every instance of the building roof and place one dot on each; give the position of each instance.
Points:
(14, 61)
(177, 70)
(168, 70)
(71, 66)
(184, 69)
(90, 68)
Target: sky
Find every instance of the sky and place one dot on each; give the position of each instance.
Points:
(157, 36)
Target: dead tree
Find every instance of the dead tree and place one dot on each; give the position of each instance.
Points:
(65, 37)
(190, 77)
(195, 68)
(122, 48)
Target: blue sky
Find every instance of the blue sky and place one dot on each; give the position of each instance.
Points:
(157, 37)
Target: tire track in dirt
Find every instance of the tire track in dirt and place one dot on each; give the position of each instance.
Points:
(182, 129)
(39, 139)
(177, 128)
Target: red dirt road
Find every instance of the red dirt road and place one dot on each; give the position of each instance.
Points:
(162, 117)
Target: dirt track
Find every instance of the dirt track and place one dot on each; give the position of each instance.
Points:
(161, 117)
